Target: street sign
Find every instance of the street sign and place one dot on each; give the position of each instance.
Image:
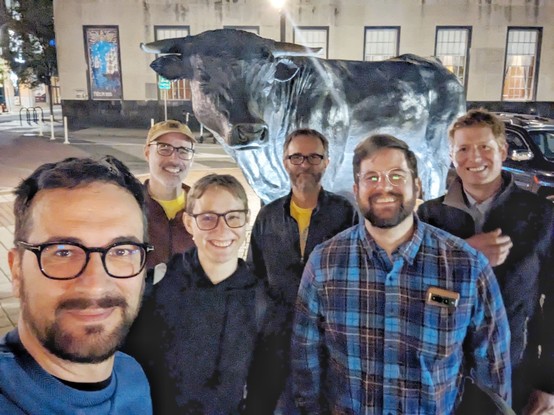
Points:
(164, 83)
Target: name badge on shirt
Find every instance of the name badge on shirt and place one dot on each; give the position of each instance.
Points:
(442, 298)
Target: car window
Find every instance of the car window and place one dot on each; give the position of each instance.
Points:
(515, 141)
(544, 141)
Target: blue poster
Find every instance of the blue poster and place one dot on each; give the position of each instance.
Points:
(102, 45)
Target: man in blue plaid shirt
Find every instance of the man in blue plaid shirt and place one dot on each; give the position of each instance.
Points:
(393, 313)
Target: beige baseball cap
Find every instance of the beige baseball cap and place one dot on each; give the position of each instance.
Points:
(169, 126)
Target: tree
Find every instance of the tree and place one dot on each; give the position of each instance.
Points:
(27, 42)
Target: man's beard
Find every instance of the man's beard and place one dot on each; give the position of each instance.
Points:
(306, 181)
(405, 209)
(96, 344)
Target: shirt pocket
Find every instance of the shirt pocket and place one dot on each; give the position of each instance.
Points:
(442, 332)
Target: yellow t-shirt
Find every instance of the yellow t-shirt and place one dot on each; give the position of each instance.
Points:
(302, 217)
(171, 207)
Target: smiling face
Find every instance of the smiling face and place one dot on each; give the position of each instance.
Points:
(478, 158)
(218, 246)
(167, 172)
(305, 177)
(381, 203)
(83, 319)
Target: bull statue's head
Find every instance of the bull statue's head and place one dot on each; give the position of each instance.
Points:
(251, 92)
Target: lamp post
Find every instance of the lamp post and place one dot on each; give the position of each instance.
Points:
(280, 5)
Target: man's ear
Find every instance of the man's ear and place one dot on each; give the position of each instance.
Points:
(146, 152)
(187, 221)
(504, 151)
(14, 262)
(418, 188)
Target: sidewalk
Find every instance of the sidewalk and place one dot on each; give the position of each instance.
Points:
(21, 155)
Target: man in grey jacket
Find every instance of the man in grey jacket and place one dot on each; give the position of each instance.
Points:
(514, 228)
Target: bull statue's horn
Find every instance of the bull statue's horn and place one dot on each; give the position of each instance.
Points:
(163, 46)
(291, 49)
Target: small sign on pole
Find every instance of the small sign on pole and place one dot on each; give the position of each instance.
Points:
(164, 83)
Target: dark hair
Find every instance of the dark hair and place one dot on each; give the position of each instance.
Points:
(309, 132)
(225, 181)
(480, 117)
(68, 174)
(375, 143)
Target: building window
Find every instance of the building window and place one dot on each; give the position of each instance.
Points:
(452, 48)
(251, 29)
(180, 88)
(381, 43)
(313, 37)
(521, 65)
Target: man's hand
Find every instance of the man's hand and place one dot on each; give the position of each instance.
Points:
(540, 403)
(493, 245)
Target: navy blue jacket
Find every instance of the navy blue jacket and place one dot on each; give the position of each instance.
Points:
(526, 278)
(196, 340)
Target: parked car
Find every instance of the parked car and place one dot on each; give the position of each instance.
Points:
(530, 152)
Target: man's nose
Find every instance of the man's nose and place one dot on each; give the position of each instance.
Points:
(383, 183)
(94, 276)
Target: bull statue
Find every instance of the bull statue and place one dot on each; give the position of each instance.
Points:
(251, 92)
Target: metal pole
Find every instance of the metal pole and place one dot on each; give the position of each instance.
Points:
(40, 125)
(52, 128)
(165, 104)
(66, 137)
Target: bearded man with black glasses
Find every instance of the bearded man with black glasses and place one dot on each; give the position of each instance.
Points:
(169, 151)
(284, 234)
(78, 269)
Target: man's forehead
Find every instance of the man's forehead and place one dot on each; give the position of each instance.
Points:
(175, 138)
(302, 140)
(385, 159)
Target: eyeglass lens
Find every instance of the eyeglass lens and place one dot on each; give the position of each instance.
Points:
(313, 159)
(66, 260)
(209, 220)
(166, 150)
(395, 177)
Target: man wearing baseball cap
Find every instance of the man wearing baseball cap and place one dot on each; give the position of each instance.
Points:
(169, 151)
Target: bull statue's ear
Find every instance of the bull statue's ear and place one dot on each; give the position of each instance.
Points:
(172, 67)
(285, 70)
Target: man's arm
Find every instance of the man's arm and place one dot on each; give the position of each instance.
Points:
(489, 337)
(541, 400)
(306, 344)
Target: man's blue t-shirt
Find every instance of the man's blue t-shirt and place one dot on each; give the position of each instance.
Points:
(26, 388)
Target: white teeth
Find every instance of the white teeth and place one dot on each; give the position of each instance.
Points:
(173, 169)
(222, 244)
(476, 169)
(385, 199)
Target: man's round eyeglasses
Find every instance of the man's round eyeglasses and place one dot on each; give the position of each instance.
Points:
(208, 220)
(166, 150)
(68, 260)
(297, 159)
(395, 177)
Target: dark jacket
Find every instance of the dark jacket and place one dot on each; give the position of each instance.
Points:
(275, 257)
(167, 236)
(525, 276)
(196, 340)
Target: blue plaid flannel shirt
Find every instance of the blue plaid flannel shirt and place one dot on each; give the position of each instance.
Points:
(366, 342)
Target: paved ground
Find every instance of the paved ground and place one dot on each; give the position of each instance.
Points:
(22, 150)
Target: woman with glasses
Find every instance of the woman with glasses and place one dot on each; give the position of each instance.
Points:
(196, 333)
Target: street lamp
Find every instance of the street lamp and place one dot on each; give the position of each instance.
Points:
(280, 5)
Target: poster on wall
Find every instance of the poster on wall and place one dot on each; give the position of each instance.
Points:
(104, 63)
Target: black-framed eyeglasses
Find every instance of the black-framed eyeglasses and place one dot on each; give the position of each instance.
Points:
(297, 159)
(166, 150)
(396, 177)
(207, 221)
(67, 260)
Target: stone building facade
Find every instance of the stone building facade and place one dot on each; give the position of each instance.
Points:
(502, 50)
